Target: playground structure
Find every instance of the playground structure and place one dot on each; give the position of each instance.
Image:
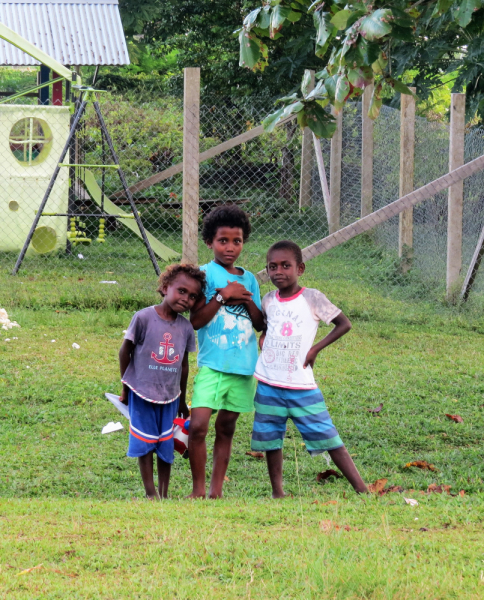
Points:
(385, 164)
(39, 213)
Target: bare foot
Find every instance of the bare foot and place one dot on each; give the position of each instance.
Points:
(279, 495)
(215, 496)
(194, 496)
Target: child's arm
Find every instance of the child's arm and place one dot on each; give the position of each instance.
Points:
(182, 407)
(256, 315)
(233, 293)
(341, 326)
(125, 354)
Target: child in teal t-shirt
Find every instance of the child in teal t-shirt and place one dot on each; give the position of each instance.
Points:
(225, 319)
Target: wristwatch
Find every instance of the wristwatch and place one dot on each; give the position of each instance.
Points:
(220, 298)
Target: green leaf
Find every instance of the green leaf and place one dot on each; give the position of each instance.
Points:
(264, 19)
(320, 122)
(465, 10)
(343, 89)
(443, 6)
(318, 92)
(251, 18)
(325, 30)
(270, 122)
(330, 85)
(363, 54)
(294, 16)
(375, 102)
(380, 64)
(278, 16)
(398, 86)
(253, 52)
(306, 82)
(360, 77)
(375, 26)
(340, 19)
(290, 98)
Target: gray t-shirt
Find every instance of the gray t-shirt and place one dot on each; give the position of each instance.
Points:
(154, 371)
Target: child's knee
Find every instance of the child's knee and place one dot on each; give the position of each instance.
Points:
(225, 428)
(198, 431)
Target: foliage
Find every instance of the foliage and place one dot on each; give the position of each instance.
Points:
(362, 43)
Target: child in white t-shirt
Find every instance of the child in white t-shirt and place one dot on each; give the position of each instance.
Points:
(286, 387)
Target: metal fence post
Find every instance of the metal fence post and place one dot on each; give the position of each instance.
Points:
(407, 159)
(306, 161)
(456, 193)
(366, 154)
(191, 133)
(335, 175)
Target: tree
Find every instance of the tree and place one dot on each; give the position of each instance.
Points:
(369, 42)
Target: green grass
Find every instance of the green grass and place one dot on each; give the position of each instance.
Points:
(71, 499)
(242, 549)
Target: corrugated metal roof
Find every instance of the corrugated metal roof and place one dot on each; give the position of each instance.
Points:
(74, 32)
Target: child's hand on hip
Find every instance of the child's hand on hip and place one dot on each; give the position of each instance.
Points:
(311, 357)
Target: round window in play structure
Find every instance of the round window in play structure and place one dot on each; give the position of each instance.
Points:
(30, 141)
(44, 239)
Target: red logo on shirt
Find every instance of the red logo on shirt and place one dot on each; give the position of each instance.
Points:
(165, 348)
(286, 329)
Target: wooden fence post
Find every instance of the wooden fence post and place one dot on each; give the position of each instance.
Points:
(366, 154)
(191, 152)
(407, 159)
(456, 193)
(306, 161)
(335, 175)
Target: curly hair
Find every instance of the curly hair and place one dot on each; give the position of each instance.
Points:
(225, 216)
(287, 245)
(171, 273)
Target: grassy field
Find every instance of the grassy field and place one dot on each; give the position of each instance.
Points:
(72, 502)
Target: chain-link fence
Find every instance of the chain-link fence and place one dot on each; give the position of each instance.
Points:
(88, 230)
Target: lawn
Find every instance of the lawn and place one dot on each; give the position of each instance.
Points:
(72, 502)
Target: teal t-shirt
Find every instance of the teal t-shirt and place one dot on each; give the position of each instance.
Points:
(228, 342)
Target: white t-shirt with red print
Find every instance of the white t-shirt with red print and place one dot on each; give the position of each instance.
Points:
(292, 324)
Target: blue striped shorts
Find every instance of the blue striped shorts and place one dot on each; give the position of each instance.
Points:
(306, 408)
(151, 427)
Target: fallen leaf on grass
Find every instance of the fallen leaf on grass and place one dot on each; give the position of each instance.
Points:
(421, 464)
(433, 488)
(328, 473)
(326, 526)
(462, 493)
(226, 478)
(31, 569)
(411, 501)
(255, 454)
(378, 486)
(375, 410)
(259, 565)
(330, 502)
(456, 418)
(62, 573)
(394, 488)
(424, 529)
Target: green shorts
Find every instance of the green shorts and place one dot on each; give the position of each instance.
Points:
(228, 391)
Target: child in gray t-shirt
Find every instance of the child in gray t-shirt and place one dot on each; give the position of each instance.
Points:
(154, 371)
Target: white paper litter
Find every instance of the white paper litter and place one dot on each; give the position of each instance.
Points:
(52, 341)
(76, 346)
(110, 427)
(80, 256)
(411, 501)
(108, 282)
(5, 322)
(7, 339)
(123, 409)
